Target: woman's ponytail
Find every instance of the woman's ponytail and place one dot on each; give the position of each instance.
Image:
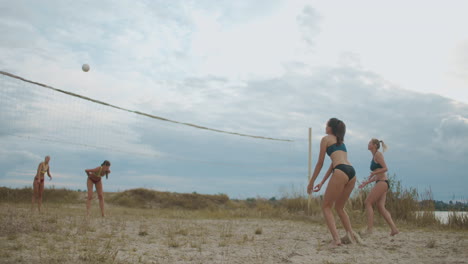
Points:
(338, 128)
(106, 163)
(384, 146)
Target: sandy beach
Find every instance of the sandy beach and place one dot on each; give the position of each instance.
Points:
(63, 235)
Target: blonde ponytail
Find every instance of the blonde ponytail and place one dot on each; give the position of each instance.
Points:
(379, 143)
(384, 146)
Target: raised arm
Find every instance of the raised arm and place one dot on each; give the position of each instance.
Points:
(319, 165)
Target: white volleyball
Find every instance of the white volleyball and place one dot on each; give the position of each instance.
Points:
(85, 67)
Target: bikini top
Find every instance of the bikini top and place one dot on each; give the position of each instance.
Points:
(374, 165)
(44, 170)
(334, 147)
(99, 172)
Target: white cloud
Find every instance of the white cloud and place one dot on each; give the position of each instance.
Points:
(13, 156)
(308, 23)
(164, 179)
(23, 172)
(457, 73)
(452, 134)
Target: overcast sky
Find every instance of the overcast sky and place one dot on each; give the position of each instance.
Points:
(394, 70)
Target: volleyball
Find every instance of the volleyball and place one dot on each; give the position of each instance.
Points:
(85, 67)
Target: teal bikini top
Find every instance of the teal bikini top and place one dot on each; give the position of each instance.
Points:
(334, 147)
(374, 165)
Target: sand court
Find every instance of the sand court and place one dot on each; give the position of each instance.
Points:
(63, 234)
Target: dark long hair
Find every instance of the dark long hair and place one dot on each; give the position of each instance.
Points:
(338, 128)
(106, 163)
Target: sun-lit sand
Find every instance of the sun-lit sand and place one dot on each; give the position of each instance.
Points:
(61, 234)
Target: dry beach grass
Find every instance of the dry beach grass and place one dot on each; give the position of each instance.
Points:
(61, 234)
(144, 226)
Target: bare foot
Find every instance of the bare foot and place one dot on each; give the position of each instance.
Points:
(348, 239)
(365, 233)
(357, 238)
(334, 244)
(352, 238)
(396, 232)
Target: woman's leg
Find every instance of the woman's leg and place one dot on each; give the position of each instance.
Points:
(40, 192)
(386, 214)
(89, 184)
(35, 191)
(100, 196)
(334, 189)
(379, 190)
(340, 203)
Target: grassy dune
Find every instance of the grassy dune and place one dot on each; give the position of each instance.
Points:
(402, 204)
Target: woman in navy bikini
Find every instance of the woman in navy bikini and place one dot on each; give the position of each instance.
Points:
(378, 194)
(342, 181)
(38, 183)
(94, 178)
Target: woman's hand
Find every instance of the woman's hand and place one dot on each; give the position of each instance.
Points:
(363, 184)
(318, 187)
(309, 187)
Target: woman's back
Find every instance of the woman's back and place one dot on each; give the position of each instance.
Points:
(338, 153)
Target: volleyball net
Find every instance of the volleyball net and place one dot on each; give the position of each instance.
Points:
(39, 119)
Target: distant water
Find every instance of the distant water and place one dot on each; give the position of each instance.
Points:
(443, 216)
